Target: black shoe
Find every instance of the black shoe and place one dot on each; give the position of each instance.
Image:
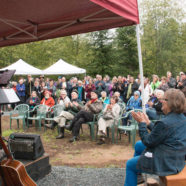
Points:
(60, 136)
(101, 141)
(73, 139)
(61, 133)
(68, 127)
(50, 126)
(140, 179)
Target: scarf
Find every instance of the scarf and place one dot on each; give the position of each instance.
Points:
(93, 100)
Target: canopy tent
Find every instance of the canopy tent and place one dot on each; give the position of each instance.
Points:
(26, 21)
(23, 68)
(63, 68)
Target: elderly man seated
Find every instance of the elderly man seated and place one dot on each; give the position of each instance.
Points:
(94, 106)
(71, 108)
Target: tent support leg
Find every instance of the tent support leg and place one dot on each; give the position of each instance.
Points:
(140, 65)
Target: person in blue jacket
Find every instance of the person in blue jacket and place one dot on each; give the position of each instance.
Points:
(161, 151)
(134, 102)
(20, 88)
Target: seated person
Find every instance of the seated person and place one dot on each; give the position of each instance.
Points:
(86, 114)
(110, 112)
(162, 151)
(71, 109)
(154, 112)
(32, 101)
(48, 100)
(63, 99)
(117, 94)
(105, 100)
(134, 102)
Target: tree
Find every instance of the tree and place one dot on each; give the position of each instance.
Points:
(126, 51)
(101, 53)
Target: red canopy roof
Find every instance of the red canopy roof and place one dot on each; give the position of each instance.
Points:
(26, 21)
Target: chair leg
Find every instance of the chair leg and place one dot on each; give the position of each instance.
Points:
(92, 131)
(107, 132)
(23, 124)
(10, 123)
(17, 123)
(39, 124)
(133, 138)
(113, 131)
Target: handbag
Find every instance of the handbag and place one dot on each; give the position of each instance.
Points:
(107, 116)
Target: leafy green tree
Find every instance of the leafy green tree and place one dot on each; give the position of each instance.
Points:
(126, 55)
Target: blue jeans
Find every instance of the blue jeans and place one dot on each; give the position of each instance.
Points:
(131, 171)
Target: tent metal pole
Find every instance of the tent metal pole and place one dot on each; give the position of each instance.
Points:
(140, 65)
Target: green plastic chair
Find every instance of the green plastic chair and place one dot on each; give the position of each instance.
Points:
(130, 129)
(21, 113)
(115, 124)
(41, 111)
(54, 112)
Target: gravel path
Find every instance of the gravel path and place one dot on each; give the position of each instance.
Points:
(69, 176)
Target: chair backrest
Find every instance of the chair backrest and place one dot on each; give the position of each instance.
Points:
(41, 110)
(57, 109)
(133, 121)
(21, 109)
(122, 108)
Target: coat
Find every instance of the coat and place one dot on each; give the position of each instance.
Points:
(48, 102)
(166, 145)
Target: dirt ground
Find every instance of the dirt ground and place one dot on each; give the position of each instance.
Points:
(83, 153)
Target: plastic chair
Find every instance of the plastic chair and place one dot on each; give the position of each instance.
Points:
(54, 112)
(130, 129)
(21, 112)
(115, 124)
(40, 111)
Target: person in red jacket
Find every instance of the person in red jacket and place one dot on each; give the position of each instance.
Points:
(48, 100)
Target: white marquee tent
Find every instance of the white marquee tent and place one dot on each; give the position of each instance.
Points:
(63, 68)
(23, 68)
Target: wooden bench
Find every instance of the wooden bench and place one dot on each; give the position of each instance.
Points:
(174, 180)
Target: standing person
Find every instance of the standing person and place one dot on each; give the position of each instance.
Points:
(51, 88)
(170, 80)
(147, 90)
(100, 85)
(155, 82)
(89, 88)
(86, 114)
(59, 83)
(112, 86)
(29, 86)
(37, 88)
(162, 151)
(131, 88)
(110, 113)
(20, 88)
(163, 85)
(81, 91)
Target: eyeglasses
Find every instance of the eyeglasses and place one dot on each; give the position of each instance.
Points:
(164, 99)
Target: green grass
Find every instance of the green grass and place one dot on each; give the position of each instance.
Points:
(7, 133)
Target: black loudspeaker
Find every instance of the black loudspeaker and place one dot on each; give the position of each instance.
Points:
(26, 146)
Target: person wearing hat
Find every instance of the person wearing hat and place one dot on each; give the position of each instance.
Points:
(71, 109)
(134, 102)
(86, 114)
(48, 100)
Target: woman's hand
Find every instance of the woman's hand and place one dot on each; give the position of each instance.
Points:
(141, 117)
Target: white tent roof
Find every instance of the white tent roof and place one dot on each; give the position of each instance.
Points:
(23, 68)
(62, 67)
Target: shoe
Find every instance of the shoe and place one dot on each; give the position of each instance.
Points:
(140, 179)
(68, 127)
(61, 134)
(101, 141)
(50, 126)
(73, 139)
